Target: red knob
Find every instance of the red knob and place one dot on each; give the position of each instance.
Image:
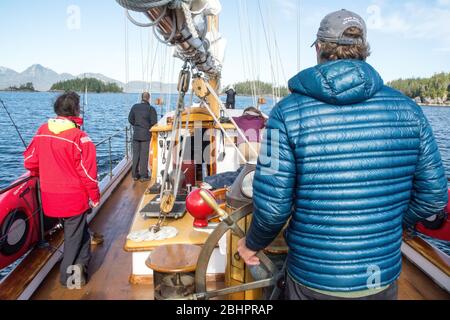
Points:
(198, 208)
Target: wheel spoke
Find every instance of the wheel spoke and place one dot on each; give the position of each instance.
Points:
(230, 225)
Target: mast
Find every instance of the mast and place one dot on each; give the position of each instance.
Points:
(191, 26)
(214, 82)
(85, 101)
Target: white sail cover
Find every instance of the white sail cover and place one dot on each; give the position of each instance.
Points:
(207, 7)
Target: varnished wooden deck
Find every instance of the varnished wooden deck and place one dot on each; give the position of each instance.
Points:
(111, 266)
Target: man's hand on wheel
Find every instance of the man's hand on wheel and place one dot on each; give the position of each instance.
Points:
(248, 255)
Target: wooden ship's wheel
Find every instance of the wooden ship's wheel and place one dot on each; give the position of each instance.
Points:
(271, 276)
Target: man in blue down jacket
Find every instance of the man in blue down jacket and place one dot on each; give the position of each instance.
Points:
(350, 162)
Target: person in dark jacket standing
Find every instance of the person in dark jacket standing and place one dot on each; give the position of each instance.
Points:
(231, 98)
(64, 159)
(142, 117)
(356, 162)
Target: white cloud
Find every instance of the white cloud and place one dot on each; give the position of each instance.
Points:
(444, 2)
(412, 20)
(289, 8)
(442, 50)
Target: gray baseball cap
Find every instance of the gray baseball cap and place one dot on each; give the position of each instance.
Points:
(333, 26)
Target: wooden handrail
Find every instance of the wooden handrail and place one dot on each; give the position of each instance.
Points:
(435, 256)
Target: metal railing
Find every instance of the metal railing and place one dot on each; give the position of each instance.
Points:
(108, 140)
(128, 133)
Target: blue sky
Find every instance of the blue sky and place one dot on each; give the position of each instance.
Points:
(408, 38)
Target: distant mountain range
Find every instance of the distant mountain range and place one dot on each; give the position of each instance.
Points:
(43, 78)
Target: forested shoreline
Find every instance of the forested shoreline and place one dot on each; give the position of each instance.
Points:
(259, 88)
(433, 90)
(91, 84)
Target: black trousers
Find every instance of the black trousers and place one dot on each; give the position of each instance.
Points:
(141, 151)
(295, 291)
(230, 105)
(77, 246)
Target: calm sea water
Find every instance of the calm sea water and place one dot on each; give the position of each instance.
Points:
(107, 113)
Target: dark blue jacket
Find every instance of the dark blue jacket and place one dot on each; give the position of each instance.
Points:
(142, 117)
(349, 160)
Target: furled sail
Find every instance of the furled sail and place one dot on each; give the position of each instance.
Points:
(188, 25)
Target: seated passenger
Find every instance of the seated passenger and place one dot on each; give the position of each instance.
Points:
(252, 123)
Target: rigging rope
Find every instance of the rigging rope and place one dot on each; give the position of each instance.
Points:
(276, 47)
(127, 58)
(253, 58)
(13, 123)
(149, 76)
(183, 87)
(153, 67)
(245, 63)
(171, 73)
(268, 44)
(147, 24)
(225, 110)
(224, 132)
(189, 20)
(299, 11)
(145, 5)
(142, 57)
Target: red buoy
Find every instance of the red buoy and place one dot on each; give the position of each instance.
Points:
(198, 208)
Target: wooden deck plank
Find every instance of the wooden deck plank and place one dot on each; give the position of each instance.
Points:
(416, 285)
(110, 266)
(13, 286)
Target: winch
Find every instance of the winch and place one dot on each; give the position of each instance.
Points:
(174, 267)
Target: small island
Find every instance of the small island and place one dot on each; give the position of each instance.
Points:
(91, 84)
(28, 87)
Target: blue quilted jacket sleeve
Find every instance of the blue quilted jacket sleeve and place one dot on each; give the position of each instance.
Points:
(429, 195)
(274, 184)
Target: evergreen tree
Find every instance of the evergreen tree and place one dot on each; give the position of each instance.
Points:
(437, 87)
(92, 85)
(262, 88)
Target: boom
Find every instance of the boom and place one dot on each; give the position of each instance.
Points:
(191, 26)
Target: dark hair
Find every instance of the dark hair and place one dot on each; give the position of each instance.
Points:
(146, 97)
(254, 110)
(67, 105)
(332, 51)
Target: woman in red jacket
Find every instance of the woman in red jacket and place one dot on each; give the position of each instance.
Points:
(64, 158)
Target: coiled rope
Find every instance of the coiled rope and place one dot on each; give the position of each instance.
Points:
(145, 5)
(189, 21)
(148, 24)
